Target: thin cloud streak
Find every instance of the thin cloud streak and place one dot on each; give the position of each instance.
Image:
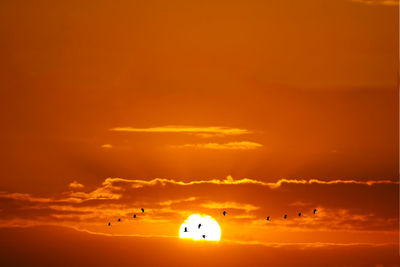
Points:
(208, 131)
(230, 181)
(230, 205)
(106, 146)
(378, 2)
(308, 244)
(242, 145)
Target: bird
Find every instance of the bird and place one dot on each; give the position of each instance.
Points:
(224, 213)
(185, 230)
(199, 225)
(315, 210)
(119, 219)
(204, 236)
(285, 217)
(267, 218)
(299, 214)
(142, 209)
(134, 215)
(109, 224)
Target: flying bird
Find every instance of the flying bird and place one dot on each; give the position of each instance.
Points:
(109, 224)
(315, 210)
(267, 218)
(204, 236)
(285, 217)
(134, 215)
(142, 209)
(299, 214)
(119, 219)
(199, 225)
(224, 212)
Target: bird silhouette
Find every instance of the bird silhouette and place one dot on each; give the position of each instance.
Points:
(267, 218)
(285, 217)
(299, 214)
(109, 224)
(119, 219)
(134, 215)
(224, 212)
(315, 210)
(142, 209)
(185, 230)
(199, 225)
(204, 236)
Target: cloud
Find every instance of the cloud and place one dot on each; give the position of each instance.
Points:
(23, 197)
(242, 145)
(348, 210)
(209, 131)
(76, 185)
(106, 146)
(378, 2)
(109, 182)
(300, 204)
(230, 205)
(171, 202)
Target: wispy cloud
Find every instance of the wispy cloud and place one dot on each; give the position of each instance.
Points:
(230, 205)
(242, 145)
(378, 2)
(108, 183)
(208, 131)
(171, 202)
(76, 185)
(106, 146)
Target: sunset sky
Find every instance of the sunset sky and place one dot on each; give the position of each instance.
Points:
(258, 108)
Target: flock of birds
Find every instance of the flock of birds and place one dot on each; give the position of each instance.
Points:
(285, 216)
(224, 213)
(134, 216)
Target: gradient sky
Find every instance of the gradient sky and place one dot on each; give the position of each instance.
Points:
(260, 108)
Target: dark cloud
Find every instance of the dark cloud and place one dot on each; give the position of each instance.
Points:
(342, 204)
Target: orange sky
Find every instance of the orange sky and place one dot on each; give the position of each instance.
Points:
(260, 108)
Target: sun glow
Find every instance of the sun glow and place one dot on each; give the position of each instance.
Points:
(198, 227)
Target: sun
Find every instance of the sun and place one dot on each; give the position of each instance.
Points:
(198, 227)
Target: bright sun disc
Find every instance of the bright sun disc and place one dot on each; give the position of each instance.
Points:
(199, 227)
